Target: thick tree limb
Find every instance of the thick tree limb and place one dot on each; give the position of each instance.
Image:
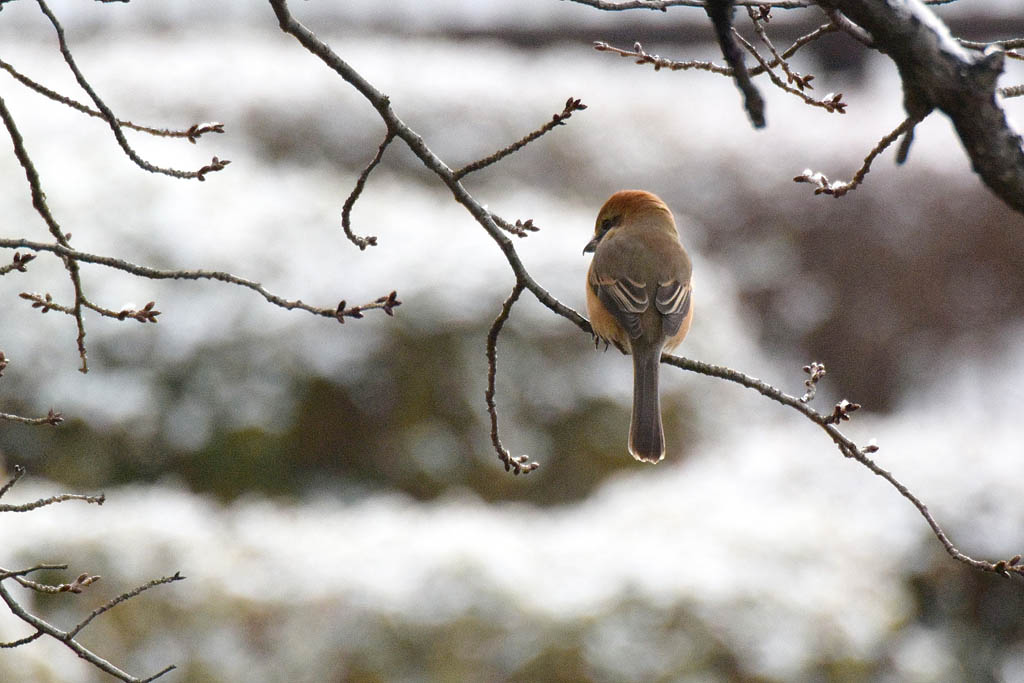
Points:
(938, 73)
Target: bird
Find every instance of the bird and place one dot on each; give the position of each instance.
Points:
(639, 299)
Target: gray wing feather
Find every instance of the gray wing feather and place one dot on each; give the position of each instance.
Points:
(626, 299)
(673, 301)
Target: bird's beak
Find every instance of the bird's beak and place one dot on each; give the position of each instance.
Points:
(591, 245)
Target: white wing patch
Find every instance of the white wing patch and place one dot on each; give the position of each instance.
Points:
(630, 295)
(673, 301)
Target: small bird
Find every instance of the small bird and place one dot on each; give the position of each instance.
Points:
(638, 298)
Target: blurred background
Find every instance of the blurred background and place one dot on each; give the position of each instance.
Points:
(330, 490)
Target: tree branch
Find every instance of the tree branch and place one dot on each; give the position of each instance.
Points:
(192, 133)
(720, 12)
(111, 119)
(848, 448)
(339, 313)
(525, 281)
(41, 626)
(937, 73)
(39, 203)
(517, 464)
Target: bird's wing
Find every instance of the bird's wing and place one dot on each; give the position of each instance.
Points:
(672, 300)
(625, 298)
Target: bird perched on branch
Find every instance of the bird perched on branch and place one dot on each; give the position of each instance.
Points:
(638, 298)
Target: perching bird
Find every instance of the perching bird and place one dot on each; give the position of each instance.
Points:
(638, 298)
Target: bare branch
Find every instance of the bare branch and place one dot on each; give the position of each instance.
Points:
(43, 627)
(939, 74)
(77, 586)
(431, 161)
(516, 464)
(18, 263)
(837, 188)
(519, 228)
(9, 574)
(1001, 44)
(346, 211)
(848, 448)
(76, 256)
(19, 472)
(39, 203)
(759, 18)
(192, 133)
(110, 604)
(45, 304)
(111, 119)
(525, 282)
(42, 502)
(720, 12)
(571, 105)
(51, 418)
(663, 5)
(832, 102)
(849, 28)
(642, 57)
(21, 641)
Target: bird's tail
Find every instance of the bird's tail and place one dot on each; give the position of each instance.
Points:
(646, 438)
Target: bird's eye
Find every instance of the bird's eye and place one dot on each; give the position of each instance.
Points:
(609, 223)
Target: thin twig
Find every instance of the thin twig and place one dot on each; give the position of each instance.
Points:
(76, 586)
(44, 302)
(41, 626)
(663, 5)
(18, 263)
(44, 627)
(41, 207)
(346, 211)
(19, 472)
(838, 188)
(110, 604)
(642, 57)
(115, 126)
(659, 63)
(758, 19)
(848, 448)
(831, 102)
(192, 133)
(42, 502)
(517, 464)
(21, 641)
(520, 228)
(11, 573)
(559, 119)
(385, 303)
(52, 418)
(1011, 44)
(417, 146)
(841, 22)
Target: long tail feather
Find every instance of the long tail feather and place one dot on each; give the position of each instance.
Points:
(646, 438)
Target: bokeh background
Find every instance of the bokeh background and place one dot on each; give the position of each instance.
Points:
(330, 491)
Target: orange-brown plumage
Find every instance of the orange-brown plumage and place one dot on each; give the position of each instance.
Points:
(638, 298)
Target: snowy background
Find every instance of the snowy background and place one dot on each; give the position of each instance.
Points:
(330, 492)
